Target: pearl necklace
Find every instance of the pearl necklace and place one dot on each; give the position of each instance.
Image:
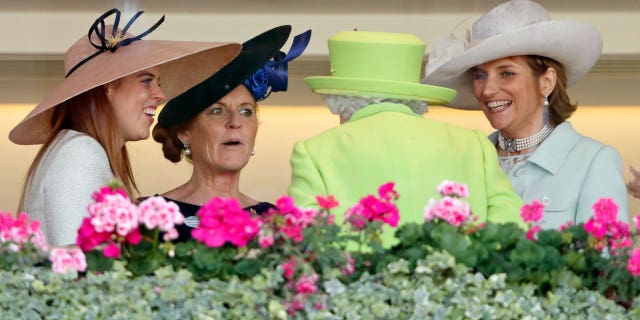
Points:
(518, 144)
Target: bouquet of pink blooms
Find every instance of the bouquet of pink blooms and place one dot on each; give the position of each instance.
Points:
(119, 228)
(307, 246)
(21, 241)
(597, 254)
(303, 243)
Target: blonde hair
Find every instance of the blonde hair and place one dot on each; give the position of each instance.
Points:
(92, 114)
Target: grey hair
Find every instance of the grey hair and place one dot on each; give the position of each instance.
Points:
(345, 106)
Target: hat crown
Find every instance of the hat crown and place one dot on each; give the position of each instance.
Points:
(83, 48)
(507, 17)
(376, 55)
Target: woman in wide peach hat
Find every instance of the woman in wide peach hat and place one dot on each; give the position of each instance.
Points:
(109, 96)
(515, 64)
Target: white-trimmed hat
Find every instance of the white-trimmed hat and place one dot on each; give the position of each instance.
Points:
(516, 27)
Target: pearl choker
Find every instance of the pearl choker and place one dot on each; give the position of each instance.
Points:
(518, 144)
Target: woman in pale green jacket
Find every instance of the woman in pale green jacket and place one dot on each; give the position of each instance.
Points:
(515, 66)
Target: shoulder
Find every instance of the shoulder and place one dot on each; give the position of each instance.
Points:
(70, 140)
(589, 145)
(75, 146)
(74, 150)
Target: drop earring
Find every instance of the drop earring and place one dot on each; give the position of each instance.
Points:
(187, 149)
(546, 101)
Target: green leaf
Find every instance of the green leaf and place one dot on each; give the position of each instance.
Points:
(145, 264)
(449, 238)
(97, 261)
(409, 233)
(566, 278)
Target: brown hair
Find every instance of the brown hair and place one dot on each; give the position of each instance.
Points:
(560, 106)
(90, 113)
(172, 147)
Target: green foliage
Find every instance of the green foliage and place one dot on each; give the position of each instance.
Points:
(27, 255)
(436, 288)
(555, 260)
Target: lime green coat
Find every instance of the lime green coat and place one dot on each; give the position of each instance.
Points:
(389, 142)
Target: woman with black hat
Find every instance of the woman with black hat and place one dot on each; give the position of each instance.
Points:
(214, 124)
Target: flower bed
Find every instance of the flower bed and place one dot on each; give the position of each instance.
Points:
(297, 263)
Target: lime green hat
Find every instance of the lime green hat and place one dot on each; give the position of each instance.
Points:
(378, 65)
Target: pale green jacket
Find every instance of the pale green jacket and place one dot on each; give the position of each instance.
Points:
(568, 173)
(389, 142)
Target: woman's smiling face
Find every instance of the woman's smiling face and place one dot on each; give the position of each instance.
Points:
(134, 99)
(510, 95)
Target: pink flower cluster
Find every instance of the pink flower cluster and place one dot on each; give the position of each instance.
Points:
(453, 189)
(114, 220)
(303, 286)
(156, 212)
(371, 208)
(633, 265)
(223, 220)
(64, 260)
(450, 208)
(16, 232)
(531, 214)
(290, 221)
(606, 229)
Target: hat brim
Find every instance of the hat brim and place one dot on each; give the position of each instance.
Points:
(182, 65)
(575, 45)
(255, 54)
(374, 88)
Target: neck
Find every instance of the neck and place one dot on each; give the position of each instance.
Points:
(202, 187)
(511, 145)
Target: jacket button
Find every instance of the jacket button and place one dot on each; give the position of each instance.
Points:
(519, 172)
(546, 200)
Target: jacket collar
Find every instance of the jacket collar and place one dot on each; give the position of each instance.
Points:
(381, 107)
(554, 149)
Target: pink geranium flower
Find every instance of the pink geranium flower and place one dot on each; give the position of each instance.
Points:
(388, 192)
(452, 210)
(606, 210)
(633, 264)
(307, 284)
(88, 238)
(606, 229)
(63, 260)
(532, 212)
(371, 208)
(289, 267)
(532, 233)
(223, 220)
(21, 230)
(112, 251)
(453, 189)
(156, 212)
(327, 203)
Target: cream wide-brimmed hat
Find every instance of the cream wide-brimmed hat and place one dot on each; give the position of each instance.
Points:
(108, 53)
(517, 27)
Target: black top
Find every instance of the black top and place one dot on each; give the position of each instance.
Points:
(191, 221)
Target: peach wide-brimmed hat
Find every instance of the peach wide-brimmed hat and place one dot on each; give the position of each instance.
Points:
(108, 53)
(513, 28)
